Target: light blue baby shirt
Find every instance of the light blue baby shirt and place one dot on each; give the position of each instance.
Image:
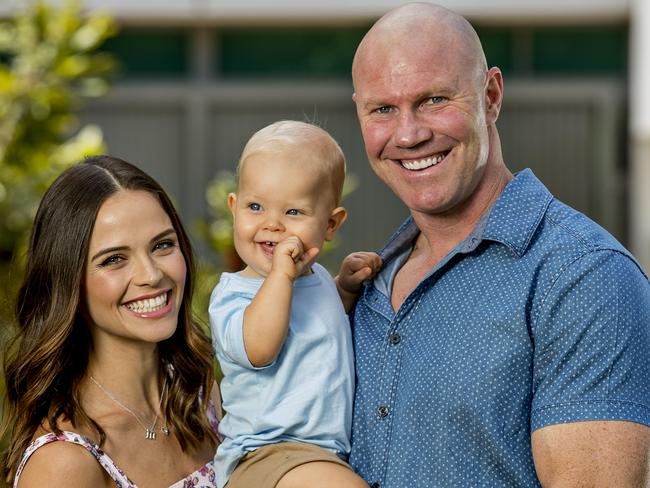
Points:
(306, 394)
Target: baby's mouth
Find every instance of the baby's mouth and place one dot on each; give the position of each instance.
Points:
(267, 247)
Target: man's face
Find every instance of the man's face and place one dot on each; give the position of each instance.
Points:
(421, 106)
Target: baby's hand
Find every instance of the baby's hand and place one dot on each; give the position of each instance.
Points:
(291, 258)
(356, 268)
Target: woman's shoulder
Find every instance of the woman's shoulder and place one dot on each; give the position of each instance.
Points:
(66, 459)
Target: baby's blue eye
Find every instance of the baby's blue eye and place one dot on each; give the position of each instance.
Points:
(293, 211)
(255, 207)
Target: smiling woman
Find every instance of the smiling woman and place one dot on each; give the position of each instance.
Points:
(136, 274)
(107, 358)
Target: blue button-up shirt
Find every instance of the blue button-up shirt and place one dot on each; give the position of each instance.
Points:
(539, 317)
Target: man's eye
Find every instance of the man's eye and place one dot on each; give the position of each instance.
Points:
(383, 110)
(293, 211)
(435, 100)
(255, 207)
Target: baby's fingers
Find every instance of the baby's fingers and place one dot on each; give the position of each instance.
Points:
(307, 258)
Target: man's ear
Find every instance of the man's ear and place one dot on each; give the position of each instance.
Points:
(232, 202)
(493, 94)
(337, 217)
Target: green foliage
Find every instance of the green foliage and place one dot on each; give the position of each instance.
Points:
(48, 61)
(216, 233)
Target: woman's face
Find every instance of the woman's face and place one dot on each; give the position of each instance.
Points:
(135, 273)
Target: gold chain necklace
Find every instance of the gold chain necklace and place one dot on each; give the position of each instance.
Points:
(150, 433)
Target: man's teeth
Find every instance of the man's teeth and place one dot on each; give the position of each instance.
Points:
(149, 304)
(423, 163)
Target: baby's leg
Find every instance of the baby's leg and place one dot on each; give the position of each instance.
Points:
(321, 474)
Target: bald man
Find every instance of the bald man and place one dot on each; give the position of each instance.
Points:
(506, 340)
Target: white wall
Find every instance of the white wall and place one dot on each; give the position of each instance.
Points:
(222, 11)
(639, 176)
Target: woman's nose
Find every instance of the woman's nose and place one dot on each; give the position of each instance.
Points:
(148, 272)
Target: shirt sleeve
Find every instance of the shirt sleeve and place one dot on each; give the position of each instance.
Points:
(592, 343)
(226, 312)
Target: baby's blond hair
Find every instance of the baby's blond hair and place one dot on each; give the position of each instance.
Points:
(292, 134)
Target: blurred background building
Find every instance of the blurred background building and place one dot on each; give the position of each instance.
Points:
(198, 77)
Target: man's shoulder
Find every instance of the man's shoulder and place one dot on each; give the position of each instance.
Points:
(567, 230)
(575, 225)
(569, 244)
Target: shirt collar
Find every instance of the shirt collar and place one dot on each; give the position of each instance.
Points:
(517, 213)
(511, 221)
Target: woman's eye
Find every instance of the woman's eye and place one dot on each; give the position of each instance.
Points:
(111, 260)
(162, 245)
(255, 207)
(293, 211)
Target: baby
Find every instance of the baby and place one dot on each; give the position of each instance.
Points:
(279, 327)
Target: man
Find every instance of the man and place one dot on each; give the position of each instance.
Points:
(506, 341)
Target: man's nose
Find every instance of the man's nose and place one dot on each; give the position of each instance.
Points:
(410, 130)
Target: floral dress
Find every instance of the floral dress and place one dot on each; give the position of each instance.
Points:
(201, 478)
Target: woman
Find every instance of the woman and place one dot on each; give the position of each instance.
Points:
(109, 379)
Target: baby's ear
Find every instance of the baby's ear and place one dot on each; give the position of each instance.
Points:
(337, 217)
(232, 202)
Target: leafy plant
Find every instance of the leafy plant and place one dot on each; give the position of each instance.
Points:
(48, 62)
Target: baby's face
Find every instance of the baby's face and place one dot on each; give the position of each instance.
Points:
(278, 196)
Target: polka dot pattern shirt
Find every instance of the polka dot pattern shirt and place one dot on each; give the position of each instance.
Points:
(539, 317)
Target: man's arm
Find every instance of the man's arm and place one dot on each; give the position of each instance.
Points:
(592, 454)
(591, 408)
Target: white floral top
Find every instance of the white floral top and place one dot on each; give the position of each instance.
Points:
(201, 478)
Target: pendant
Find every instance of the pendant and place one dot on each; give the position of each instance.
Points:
(165, 430)
(150, 435)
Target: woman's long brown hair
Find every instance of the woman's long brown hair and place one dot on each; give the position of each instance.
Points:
(47, 359)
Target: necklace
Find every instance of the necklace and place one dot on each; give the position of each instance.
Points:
(150, 433)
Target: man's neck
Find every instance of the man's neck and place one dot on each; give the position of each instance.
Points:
(442, 232)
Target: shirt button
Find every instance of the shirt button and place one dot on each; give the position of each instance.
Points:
(395, 338)
(383, 411)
